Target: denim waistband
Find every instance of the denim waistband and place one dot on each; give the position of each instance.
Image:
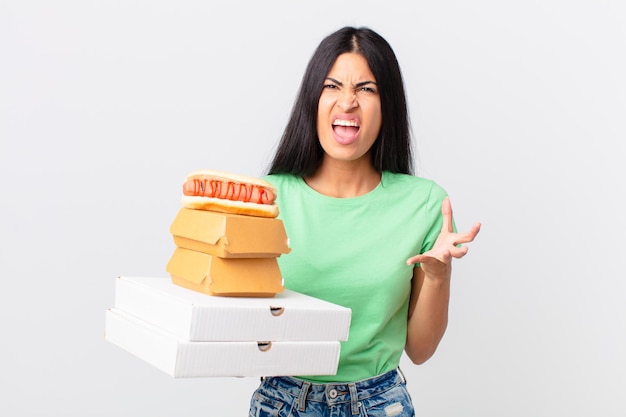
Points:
(335, 392)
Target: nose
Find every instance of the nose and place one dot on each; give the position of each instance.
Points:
(347, 100)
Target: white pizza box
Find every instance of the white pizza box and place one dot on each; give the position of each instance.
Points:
(194, 316)
(186, 359)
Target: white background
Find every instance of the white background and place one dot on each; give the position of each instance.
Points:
(518, 110)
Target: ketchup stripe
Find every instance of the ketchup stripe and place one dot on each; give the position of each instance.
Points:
(230, 190)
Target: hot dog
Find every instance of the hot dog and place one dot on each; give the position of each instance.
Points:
(229, 193)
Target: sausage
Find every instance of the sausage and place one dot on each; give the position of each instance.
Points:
(227, 189)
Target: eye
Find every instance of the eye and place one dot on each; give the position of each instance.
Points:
(367, 89)
(330, 87)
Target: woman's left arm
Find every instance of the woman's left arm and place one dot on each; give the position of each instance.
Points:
(430, 289)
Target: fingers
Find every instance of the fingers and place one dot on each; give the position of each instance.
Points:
(446, 212)
(459, 252)
(414, 259)
(454, 250)
(474, 230)
(470, 235)
(447, 226)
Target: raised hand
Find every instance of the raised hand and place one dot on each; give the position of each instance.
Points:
(437, 261)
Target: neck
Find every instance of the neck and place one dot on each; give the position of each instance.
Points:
(344, 180)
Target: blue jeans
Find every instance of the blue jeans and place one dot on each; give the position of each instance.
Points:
(381, 396)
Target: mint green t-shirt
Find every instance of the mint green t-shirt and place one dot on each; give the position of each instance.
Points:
(353, 252)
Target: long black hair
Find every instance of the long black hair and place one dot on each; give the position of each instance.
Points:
(299, 151)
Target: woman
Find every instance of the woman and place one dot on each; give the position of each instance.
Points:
(365, 233)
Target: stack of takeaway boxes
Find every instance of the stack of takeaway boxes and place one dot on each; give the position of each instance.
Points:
(223, 311)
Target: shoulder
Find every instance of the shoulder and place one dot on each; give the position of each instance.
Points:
(285, 184)
(413, 185)
(281, 180)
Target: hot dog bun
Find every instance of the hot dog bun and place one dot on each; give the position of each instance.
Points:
(227, 192)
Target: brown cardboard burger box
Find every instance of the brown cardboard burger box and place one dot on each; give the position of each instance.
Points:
(243, 277)
(229, 235)
(227, 254)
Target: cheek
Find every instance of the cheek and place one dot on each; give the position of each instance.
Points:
(325, 104)
(375, 114)
(375, 121)
(323, 115)
(321, 122)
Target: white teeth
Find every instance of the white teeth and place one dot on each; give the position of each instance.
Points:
(340, 122)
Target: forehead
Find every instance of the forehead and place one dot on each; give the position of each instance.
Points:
(351, 66)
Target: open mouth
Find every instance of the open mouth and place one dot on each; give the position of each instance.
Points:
(346, 131)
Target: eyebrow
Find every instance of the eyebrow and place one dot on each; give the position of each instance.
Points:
(360, 84)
